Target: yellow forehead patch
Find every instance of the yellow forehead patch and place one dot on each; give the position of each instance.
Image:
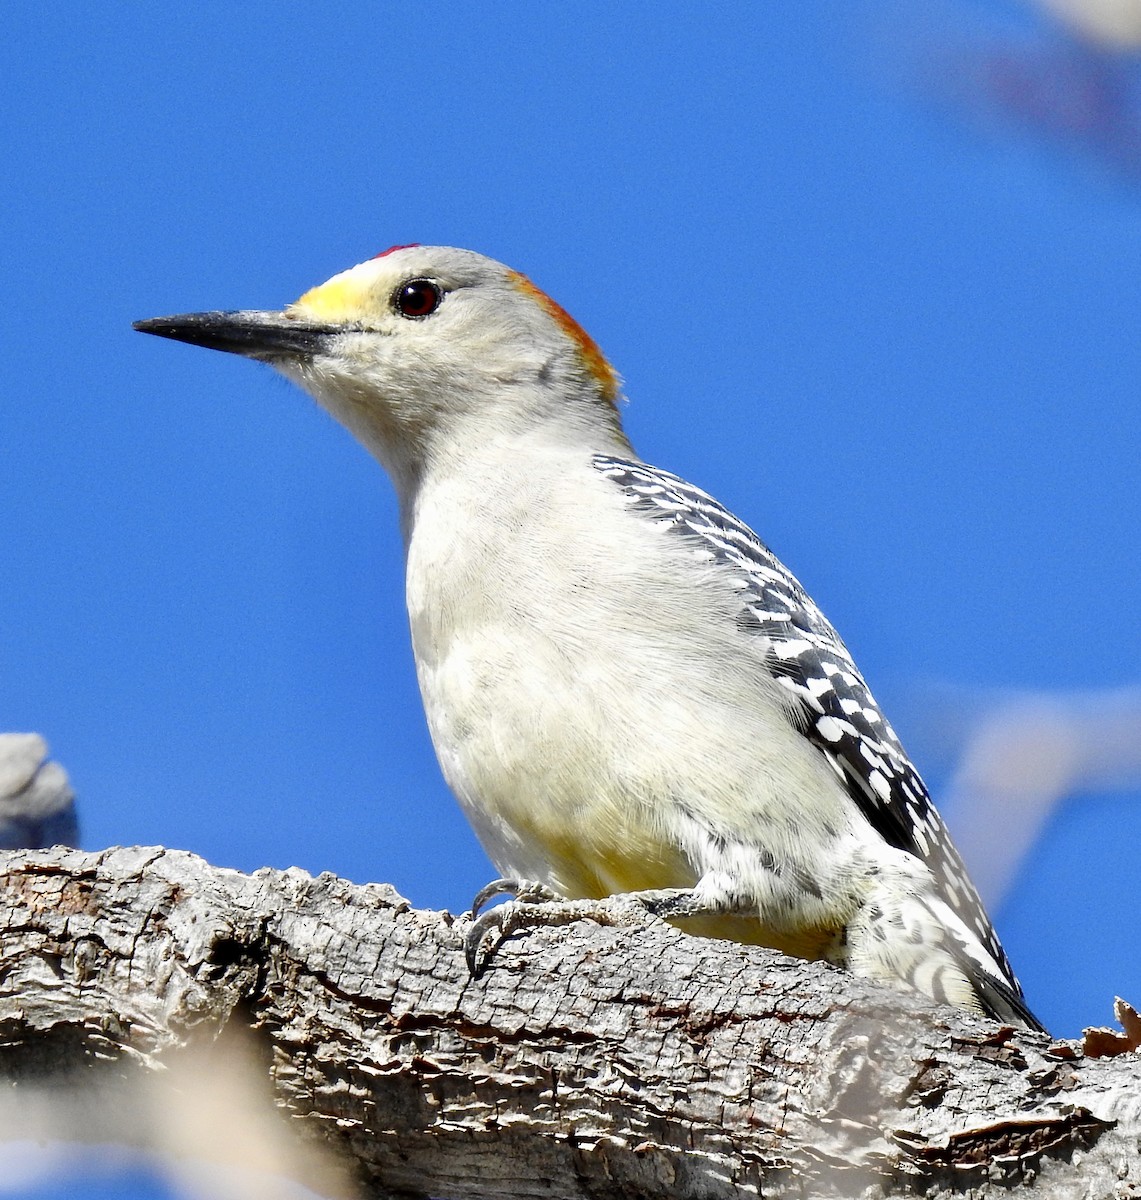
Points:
(593, 358)
(344, 298)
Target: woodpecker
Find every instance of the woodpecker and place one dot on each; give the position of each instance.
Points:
(627, 691)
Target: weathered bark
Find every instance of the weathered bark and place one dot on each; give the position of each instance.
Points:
(588, 1061)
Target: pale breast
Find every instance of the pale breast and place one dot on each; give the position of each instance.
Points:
(594, 706)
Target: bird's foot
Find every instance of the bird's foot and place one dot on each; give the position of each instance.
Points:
(534, 905)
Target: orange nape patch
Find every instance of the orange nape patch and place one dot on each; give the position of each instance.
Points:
(592, 356)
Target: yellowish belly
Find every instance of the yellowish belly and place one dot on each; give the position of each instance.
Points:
(611, 872)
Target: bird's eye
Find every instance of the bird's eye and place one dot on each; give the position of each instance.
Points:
(417, 298)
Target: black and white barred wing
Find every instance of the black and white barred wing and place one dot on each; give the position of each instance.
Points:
(837, 710)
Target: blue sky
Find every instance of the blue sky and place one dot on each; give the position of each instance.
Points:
(899, 341)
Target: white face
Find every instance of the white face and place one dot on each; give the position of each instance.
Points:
(436, 339)
(365, 295)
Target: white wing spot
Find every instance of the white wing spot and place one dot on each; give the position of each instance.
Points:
(880, 785)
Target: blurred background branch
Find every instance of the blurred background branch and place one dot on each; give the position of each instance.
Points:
(1025, 754)
(37, 805)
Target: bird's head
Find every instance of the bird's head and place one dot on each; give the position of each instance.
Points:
(424, 351)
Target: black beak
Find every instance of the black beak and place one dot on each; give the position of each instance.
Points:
(263, 335)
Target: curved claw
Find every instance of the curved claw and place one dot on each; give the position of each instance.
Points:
(474, 938)
(487, 893)
(526, 890)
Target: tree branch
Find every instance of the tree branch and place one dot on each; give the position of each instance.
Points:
(587, 1061)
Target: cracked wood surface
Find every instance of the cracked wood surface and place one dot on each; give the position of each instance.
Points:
(590, 1061)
